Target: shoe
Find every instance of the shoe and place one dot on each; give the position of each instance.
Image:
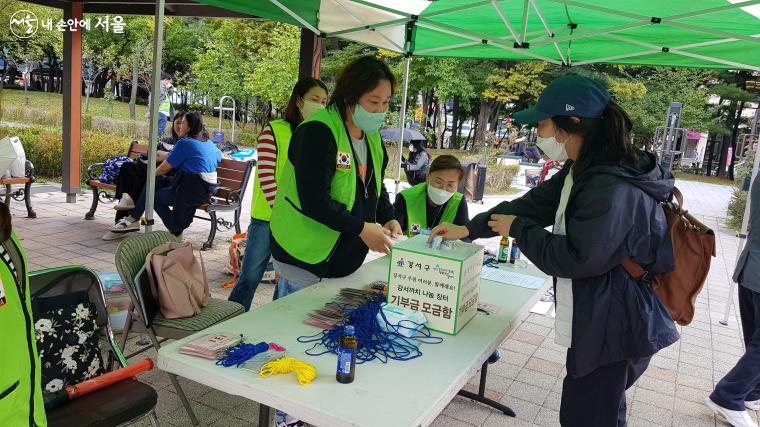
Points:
(753, 405)
(125, 203)
(114, 236)
(125, 225)
(735, 418)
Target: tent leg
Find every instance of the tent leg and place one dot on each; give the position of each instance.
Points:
(402, 118)
(158, 46)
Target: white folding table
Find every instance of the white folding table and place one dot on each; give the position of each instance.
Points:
(408, 393)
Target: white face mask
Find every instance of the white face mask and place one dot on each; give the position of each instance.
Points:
(309, 108)
(438, 196)
(553, 149)
(411, 147)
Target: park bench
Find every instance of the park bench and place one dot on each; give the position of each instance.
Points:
(20, 194)
(102, 191)
(232, 177)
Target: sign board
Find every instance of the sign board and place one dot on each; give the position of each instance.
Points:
(443, 284)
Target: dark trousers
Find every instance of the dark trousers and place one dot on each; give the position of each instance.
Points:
(742, 383)
(598, 399)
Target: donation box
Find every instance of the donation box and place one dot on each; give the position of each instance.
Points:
(443, 284)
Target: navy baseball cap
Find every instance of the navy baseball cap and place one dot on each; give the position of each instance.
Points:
(569, 95)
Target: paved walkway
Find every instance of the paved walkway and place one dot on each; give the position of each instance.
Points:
(528, 377)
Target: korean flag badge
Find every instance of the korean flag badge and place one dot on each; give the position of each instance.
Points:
(416, 229)
(344, 161)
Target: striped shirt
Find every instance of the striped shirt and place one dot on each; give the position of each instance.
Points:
(266, 148)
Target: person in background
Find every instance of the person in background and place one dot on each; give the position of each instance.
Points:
(739, 390)
(132, 176)
(166, 89)
(309, 96)
(195, 161)
(435, 201)
(416, 167)
(604, 206)
(21, 401)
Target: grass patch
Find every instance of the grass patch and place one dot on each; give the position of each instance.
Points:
(45, 110)
(702, 178)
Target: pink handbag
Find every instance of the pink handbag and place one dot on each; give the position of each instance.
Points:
(177, 279)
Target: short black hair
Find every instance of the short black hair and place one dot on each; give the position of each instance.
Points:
(292, 112)
(357, 78)
(194, 124)
(166, 76)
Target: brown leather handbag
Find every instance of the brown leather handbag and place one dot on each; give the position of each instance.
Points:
(177, 279)
(693, 247)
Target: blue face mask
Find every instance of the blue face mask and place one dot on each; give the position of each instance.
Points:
(368, 122)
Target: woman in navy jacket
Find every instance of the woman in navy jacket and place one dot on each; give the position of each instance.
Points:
(604, 206)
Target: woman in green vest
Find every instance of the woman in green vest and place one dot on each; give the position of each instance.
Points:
(331, 200)
(309, 95)
(20, 383)
(434, 201)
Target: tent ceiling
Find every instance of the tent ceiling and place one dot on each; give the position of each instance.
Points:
(691, 33)
(148, 7)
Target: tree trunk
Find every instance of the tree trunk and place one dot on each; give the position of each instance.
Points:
(495, 118)
(482, 120)
(734, 136)
(88, 89)
(133, 95)
(454, 122)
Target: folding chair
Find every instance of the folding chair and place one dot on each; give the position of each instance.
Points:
(124, 402)
(130, 263)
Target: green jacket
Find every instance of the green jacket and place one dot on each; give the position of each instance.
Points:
(20, 390)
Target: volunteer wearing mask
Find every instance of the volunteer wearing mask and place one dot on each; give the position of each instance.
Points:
(604, 206)
(331, 199)
(433, 202)
(20, 382)
(309, 96)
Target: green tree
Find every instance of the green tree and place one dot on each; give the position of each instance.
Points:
(276, 66)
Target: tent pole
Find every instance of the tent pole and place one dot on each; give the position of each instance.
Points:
(155, 90)
(742, 236)
(402, 118)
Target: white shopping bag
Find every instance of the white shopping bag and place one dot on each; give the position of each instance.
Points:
(8, 155)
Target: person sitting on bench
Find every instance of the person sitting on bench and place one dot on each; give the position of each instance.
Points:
(194, 158)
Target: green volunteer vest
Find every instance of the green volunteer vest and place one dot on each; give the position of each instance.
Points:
(165, 106)
(301, 236)
(282, 132)
(15, 360)
(416, 208)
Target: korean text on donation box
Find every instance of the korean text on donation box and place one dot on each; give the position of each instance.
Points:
(443, 284)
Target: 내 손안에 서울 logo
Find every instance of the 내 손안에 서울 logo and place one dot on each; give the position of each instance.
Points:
(24, 24)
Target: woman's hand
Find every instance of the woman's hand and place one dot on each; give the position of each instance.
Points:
(393, 228)
(501, 224)
(375, 238)
(449, 232)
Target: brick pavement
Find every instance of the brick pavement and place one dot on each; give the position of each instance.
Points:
(528, 377)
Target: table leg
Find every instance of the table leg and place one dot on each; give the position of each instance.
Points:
(481, 395)
(264, 415)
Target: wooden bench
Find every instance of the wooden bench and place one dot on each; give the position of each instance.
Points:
(102, 191)
(24, 194)
(232, 176)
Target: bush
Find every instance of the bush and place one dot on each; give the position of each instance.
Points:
(499, 177)
(736, 209)
(45, 148)
(22, 114)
